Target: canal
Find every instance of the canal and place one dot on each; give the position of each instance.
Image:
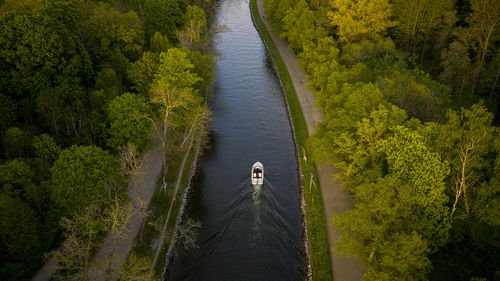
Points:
(247, 233)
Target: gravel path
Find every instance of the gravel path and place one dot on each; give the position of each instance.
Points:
(113, 254)
(335, 199)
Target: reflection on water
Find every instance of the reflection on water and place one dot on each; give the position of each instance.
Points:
(248, 233)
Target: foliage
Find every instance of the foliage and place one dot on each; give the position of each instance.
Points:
(423, 97)
(64, 68)
(164, 16)
(355, 18)
(298, 25)
(422, 21)
(159, 43)
(396, 214)
(276, 11)
(484, 32)
(16, 143)
(204, 69)
(16, 178)
(46, 148)
(112, 38)
(143, 71)
(36, 53)
(195, 27)
(83, 175)
(456, 65)
(422, 179)
(136, 268)
(19, 230)
(128, 123)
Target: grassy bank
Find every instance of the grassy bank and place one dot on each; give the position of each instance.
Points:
(158, 209)
(316, 223)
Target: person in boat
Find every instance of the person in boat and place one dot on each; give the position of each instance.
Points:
(257, 172)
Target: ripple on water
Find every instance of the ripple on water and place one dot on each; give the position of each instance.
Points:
(247, 233)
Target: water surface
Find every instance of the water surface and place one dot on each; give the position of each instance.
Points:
(247, 233)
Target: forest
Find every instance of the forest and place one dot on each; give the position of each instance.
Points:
(85, 86)
(410, 94)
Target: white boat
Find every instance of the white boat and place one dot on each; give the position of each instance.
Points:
(257, 174)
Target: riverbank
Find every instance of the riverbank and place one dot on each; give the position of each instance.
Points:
(159, 226)
(305, 119)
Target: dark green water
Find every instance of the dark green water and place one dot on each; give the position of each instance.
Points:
(247, 233)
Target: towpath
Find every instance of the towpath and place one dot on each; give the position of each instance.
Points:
(335, 199)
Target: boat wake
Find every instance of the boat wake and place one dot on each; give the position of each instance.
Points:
(255, 203)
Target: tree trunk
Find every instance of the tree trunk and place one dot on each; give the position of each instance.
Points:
(372, 252)
(484, 50)
(494, 84)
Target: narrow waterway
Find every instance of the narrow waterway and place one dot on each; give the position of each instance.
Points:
(247, 233)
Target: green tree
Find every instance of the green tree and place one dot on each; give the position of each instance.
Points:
(107, 80)
(462, 140)
(128, 123)
(46, 148)
(16, 178)
(17, 5)
(8, 113)
(19, 180)
(195, 28)
(83, 175)
(456, 65)
(68, 12)
(355, 151)
(112, 38)
(491, 79)
(137, 268)
(486, 197)
(204, 69)
(377, 52)
(38, 52)
(276, 11)
(298, 25)
(421, 21)
(142, 72)
(164, 16)
(401, 215)
(172, 89)
(483, 24)
(159, 43)
(415, 92)
(40, 55)
(19, 231)
(319, 54)
(16, 143)
(355, 18)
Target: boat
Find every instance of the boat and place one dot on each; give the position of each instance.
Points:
(257, 173)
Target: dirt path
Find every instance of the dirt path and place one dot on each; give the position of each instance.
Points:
(113, 253)
(335, 199)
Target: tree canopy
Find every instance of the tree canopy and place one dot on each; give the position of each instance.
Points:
(83, 175)
(400, 83)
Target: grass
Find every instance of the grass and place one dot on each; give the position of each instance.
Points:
(316, 224)
(161, 203)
